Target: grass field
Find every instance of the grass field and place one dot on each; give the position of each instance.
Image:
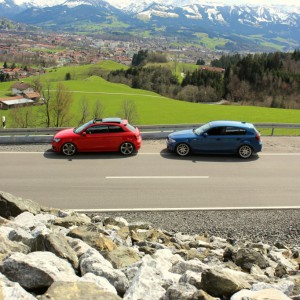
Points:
(151, 108)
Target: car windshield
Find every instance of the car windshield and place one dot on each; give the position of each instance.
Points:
(79, 129)
(200, 130)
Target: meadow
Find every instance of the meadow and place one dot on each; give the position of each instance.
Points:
(151, 107)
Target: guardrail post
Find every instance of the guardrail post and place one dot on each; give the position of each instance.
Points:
(272, 132)
(3, 122)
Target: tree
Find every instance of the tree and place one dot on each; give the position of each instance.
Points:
(61, 106)
(68, 76)
(99, 110)
(200, 62)
(5, 65)
(23, 117)
(84, 108)
(128, 111)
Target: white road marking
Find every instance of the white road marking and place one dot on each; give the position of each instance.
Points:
(157, 177)
(184, 209)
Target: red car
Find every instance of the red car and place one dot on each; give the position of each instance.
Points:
(99, 135)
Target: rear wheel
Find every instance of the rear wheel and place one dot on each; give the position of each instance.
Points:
(245, 151)
(127, 148)
(68, 149)
(183, 149)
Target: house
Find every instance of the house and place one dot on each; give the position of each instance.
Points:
(20, 88)
(13, 102)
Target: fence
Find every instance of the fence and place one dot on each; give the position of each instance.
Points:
(44, 135)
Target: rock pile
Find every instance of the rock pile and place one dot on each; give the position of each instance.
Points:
(54, 254)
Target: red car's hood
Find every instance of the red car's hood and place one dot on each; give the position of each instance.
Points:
(65, 133)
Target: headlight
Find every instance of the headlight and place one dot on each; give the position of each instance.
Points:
(56, 140)
(171, 140)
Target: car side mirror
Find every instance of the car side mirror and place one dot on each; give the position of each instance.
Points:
(205, 134)
(83, 133)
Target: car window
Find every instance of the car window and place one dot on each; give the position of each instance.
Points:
(115, 128)
(97, 129)
(235, 131)
(130, 127)
(216, 131)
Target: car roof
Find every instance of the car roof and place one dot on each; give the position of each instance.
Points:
(230, 123)
(111, 120)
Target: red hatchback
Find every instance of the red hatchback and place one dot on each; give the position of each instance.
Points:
(99, 135)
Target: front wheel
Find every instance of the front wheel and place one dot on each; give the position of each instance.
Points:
(182, 149)
(245, 151)
(68, 149)
(127, 148)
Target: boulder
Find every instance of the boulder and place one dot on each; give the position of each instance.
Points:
(223, 282)
(246, 258)
(93, 262)
(180, 292)
(73, 220)
(96, 240)
(12, 206)
(117, 221)
(100, 281)
(122, 257)
(147, 283)
(7, 246)
(12, 290)
(36, 270)
(195, 265)
(265, 294)
(57, 244)
(77, 291)
(191, 278)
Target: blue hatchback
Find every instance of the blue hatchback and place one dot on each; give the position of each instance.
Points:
(220, 137)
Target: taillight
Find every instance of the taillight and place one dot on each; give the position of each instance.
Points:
(257, 136)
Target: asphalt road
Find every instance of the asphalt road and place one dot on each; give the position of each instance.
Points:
(152, 179)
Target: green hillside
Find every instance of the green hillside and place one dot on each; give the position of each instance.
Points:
(151, 108)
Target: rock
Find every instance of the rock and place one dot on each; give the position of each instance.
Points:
(31, 221)
(36, 270)
(191, 278)
(180, 292)
(280, 270)
(93, 262)
(285, 286)
(118, 221)
(94, 239)
(122, 257)
(202, 295)
(265, 294)
(12, 206)
(100, 281)
(73, 220)
(195, 265)
(57, 244)
(246, 258)
(147, 283)
(79, 246)
(7, 246)
(77, 291)
(223, 282)
(12, 290)
(280, 258)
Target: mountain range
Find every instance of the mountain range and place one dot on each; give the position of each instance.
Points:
(214, 25)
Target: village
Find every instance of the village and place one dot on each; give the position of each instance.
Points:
(26, 54)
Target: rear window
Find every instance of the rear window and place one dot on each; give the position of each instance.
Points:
(235, 131)
(130, 127)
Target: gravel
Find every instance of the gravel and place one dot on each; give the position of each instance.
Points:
(268, 226)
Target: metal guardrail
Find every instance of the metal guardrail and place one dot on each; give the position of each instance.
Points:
(44, 135)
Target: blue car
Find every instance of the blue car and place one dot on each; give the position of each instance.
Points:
(219, 137)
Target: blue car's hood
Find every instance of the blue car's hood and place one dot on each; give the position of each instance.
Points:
(182, 134)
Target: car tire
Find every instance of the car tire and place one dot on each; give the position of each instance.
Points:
(245, 151)
(183, 149)
(127, 148)
(68, 149)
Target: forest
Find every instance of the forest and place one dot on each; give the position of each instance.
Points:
(266, 79)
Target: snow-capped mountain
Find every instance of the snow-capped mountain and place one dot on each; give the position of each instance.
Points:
(240, 26)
